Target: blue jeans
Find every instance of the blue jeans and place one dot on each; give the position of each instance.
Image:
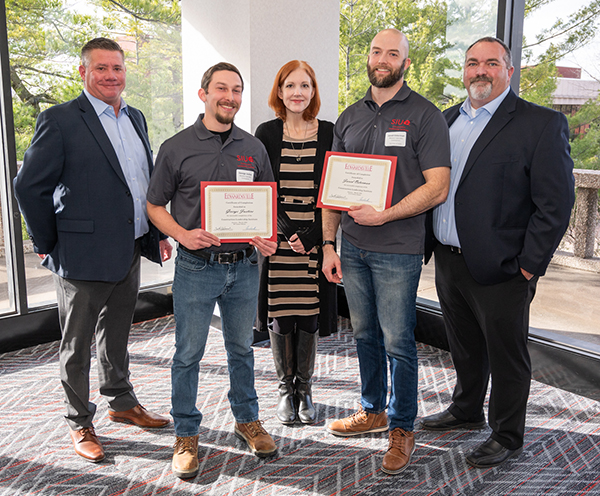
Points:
(197, 286)
(381, 289)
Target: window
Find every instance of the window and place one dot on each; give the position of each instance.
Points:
(44, 41)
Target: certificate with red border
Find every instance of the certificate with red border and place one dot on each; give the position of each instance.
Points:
(356, 179)
(236, 212)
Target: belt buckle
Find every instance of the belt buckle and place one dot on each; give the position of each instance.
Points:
(226, 258)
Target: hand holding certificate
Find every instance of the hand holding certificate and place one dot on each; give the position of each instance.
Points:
(355, 179)
(237, 212)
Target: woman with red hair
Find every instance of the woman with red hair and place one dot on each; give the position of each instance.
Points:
(294, 293)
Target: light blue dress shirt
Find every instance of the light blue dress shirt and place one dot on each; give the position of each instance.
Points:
(131, 154)
(464, 132)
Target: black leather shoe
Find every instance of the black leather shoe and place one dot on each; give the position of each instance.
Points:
(491, 454)
(445, 421)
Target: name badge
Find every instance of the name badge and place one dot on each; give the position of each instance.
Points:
(395, 138)
(244, 176)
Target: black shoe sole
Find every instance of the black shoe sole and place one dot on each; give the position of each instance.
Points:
(516, 453)
(469, 426)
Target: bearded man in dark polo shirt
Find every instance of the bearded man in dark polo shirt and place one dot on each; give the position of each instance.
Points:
(206, 271)
(382, 251)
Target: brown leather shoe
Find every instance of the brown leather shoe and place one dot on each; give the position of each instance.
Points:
(259, 442)
(400, 449)
(358, 423)
(86, 444)
(139, 416)
(185, 457)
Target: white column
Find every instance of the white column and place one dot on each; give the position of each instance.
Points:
(258, 37)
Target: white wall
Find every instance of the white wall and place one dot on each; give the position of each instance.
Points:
(258, 37)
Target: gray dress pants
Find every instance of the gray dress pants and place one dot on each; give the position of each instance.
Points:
(103, 309)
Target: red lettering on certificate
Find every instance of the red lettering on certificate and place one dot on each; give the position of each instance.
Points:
(238, 196)
(364, 168)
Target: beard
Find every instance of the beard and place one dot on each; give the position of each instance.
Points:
(385, 81)
(226, 118)
(478, 91)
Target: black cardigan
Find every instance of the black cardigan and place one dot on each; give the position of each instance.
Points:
(271, 134)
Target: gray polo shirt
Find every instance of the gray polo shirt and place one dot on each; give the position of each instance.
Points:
(414, 130)
(194, 155)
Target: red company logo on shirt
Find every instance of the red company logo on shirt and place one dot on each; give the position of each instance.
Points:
(399, 125)
(245, 161)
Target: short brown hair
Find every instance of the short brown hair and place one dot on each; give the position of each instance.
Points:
(99, 44)
(276, 103)
(221, 66)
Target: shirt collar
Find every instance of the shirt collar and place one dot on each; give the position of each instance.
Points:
(401, 94)
(100, 106)
(203, 133)
(490, 107)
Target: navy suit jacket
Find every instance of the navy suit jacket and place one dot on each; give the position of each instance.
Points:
(74, 196)
(514, 198)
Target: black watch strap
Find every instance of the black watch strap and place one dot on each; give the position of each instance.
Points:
(329, 242)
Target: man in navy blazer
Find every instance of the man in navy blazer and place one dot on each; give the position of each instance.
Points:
(510, 200)
(82, 190)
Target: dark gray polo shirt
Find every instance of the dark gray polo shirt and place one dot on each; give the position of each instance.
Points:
(414, 130)
(194, 155)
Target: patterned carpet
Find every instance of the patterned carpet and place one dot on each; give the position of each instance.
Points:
(561, 454)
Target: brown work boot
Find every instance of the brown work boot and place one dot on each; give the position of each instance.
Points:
(358, 423)
(400, 449)
(259, 442)
(185, 457)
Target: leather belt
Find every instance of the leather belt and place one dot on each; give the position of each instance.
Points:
(454, 249)
(224, 258)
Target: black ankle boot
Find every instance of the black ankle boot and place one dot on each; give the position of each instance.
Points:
(282, 346)
(306, 352)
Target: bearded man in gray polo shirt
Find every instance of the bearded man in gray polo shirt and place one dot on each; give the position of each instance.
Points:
(382, 251)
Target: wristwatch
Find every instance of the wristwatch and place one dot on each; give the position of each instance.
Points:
(329, 242)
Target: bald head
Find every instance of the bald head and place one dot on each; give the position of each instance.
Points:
(391, 36)
(388, 59)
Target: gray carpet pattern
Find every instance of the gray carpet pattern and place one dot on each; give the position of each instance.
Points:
(561, 454)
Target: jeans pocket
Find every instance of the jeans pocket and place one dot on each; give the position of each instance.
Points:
(253, 259)
(190, 263)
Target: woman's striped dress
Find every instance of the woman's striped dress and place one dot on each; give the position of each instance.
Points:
(293, 283)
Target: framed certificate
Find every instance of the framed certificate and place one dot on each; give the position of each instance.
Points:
(236, 212)
(355, 179)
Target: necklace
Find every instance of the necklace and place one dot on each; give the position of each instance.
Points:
(299, 156)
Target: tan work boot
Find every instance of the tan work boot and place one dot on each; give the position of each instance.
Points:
(259, 442)
(400, 449)
(185, 457)
(358, 423)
